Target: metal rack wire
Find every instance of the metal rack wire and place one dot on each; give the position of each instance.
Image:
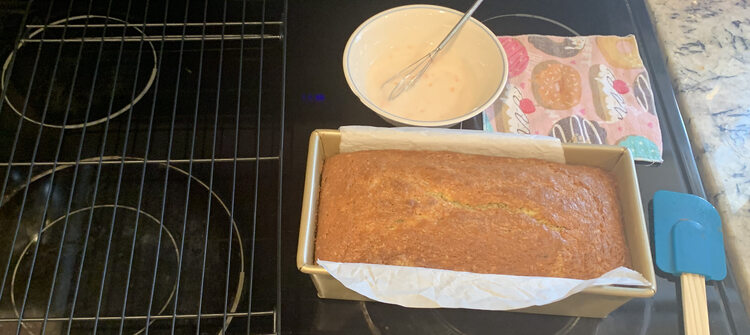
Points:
(140, 151)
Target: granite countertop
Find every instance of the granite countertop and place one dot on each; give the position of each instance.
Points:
(707, 47)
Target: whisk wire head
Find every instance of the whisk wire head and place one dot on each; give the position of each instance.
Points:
(409, 76)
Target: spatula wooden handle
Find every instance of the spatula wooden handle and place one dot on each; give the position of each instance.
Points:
(694, 305)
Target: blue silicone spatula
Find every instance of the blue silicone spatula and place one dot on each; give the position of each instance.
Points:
(689, 243)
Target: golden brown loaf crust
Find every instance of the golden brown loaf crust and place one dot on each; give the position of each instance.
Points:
(471, 213)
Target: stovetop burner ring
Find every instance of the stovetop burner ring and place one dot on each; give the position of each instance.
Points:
(49, 225)
(538, 17)
(65, 21)
(384, 319)
(235, 300)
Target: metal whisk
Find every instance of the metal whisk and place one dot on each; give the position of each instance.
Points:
(407, 77)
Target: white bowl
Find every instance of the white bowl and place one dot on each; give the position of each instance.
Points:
(420, 28)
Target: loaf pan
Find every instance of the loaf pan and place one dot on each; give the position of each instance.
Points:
(595, 302)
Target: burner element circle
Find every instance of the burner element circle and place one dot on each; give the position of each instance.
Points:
(553, 27)
(40, 187)
(4, 84)
(85, 210)
(387, 319)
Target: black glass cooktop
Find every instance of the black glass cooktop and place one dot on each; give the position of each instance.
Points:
(187, 118)
(317, 96)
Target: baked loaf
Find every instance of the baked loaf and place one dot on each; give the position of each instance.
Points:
(473, 213)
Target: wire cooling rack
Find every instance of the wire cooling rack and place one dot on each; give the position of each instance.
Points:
(140, 157)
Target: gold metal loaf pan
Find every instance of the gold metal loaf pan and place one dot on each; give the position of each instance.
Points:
(591, 302)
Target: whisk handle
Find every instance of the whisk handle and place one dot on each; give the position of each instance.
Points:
(459, 25)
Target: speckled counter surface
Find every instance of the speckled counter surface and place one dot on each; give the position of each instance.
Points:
(707, 47)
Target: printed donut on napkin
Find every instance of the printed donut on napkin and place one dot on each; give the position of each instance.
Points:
(583, 89)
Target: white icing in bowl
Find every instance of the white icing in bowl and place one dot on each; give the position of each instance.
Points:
(465, 78)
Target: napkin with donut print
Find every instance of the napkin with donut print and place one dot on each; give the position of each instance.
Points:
(584, 89)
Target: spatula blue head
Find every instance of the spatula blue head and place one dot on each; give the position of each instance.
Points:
(687, 235)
